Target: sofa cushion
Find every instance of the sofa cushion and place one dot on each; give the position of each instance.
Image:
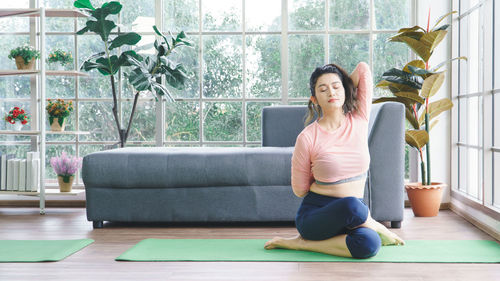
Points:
(166, 167)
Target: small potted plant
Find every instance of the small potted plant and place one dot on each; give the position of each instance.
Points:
(58, 110)
(59, 59)
(25, 57)
(17, 117)
(65, 168)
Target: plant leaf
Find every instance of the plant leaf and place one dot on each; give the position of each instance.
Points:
(411, 118)
(130, 38)
(411, 34)
(432, 39)
(414, 28)
(442, 27)
(409, 95)
(415, 63)
(431, 85)
(442, 18)
(83, 4)
(433, 124)
(447, 61)
(420, 48)
(416, 138)
(83, 30)
(435, 108)
(407, 102)
(111, 8)
(101, 27)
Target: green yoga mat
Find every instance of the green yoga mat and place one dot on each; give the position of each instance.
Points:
(419, 251)
(39, 250)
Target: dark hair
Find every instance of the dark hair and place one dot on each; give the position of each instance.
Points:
(350, 102)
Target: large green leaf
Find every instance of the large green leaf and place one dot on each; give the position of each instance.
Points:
(130, 38)
(411, 34)
(415, 63)
(432, 39)
(395, 88)
(407, 102)
(416, 138)
(420, 48)
(435, 108)
(83, 30)
(414, 82)
(83, 4)
(408, 29)
(412, 96)
(101, 27)
(111, 8)
(432, 84)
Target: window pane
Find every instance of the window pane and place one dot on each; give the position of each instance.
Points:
(182, 121)
(138, 15)
(5, 107)
(143, 124)
(16, 4)
(497, 50)
(473, 121)
(14, 24)
(97, 118)
(222, 121)
(7, 43)
(263, 66)
(473, 55)
(462, 120)
(259, 19)
(462, 168)
(54, 150)
(473, 173)
(496, 120)
(387, 55)
(496, 183)
(306, 14)
(392, 14)
(181, 15)
(221, 15)
(60, 24)
(189, 57)
(306, 52)
(60, 87)
(349, 14)
(15, 87)
(97, 85)
(222, 68)
(356, 45)
(65, 43)
(254, 119)
(464, 51)
(19, 150)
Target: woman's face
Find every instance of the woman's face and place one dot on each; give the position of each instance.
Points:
(330, 93)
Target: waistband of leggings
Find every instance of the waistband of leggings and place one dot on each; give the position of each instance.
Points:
(315, 198)
(358, 177)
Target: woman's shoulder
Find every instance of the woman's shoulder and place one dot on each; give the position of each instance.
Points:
(307, 134)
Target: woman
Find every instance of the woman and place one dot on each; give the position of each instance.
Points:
(329, 168)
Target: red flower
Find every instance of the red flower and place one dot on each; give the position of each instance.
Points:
(24, 122)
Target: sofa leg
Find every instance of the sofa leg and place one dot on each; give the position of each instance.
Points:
(97, 224)
(395, 224)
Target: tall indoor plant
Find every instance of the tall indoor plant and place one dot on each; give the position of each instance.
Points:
(145, 73)
(413, 86)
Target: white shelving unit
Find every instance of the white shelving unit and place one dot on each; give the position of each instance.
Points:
(38, 96)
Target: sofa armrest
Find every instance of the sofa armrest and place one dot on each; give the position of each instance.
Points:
(387, 153)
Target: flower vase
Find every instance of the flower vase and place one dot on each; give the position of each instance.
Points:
(22, 66)
(65, 182)
(18, 126)
(55, 126)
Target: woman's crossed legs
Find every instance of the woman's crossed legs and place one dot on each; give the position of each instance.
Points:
(341, 227)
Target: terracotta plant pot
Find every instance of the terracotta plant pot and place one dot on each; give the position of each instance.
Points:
(55, 126)
(65, 186)
(425, 199)
(22, 66)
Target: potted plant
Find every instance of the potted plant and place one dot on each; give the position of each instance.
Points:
(145, 72)
(25, 56)
(59, 59)
(413, 86)
(65, 168)
(58, 110)
(17, 117)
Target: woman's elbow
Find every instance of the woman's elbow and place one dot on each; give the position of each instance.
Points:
(299, 192)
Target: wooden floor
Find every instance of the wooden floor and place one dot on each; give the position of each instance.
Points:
(96, 262)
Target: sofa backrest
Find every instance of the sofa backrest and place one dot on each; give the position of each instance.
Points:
(282, 124)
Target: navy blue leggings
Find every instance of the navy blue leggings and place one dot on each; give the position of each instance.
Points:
(321, 217)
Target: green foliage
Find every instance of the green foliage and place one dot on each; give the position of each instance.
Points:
(60, 56)
(25, 51)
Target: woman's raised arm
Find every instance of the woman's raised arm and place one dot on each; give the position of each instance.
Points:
(363, 80)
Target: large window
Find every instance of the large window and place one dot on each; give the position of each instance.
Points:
(248, 54)
(476, 95)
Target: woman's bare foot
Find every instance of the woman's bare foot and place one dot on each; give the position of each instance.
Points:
(284, 243)
(388, 237)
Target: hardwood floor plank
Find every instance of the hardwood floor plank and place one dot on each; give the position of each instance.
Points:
(96, 262)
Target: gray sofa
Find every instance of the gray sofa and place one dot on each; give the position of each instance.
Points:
(234, 184)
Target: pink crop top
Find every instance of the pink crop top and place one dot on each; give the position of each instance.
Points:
(341, 154)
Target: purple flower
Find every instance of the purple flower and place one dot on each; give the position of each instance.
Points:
(64, 165)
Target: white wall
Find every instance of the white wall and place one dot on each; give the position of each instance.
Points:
(440, 136)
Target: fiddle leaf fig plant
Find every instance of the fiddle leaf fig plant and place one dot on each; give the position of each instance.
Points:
(416, 83)
(144, 73)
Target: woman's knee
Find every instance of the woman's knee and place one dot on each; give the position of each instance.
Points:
(363, 243)
(356, 211)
